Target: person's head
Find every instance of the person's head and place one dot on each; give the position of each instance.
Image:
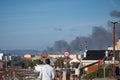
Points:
(47, 61)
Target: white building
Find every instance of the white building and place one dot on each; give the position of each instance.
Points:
(1, 56)
(27, 56)
(72, 56)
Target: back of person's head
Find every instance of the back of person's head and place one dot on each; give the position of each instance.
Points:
(47, 61)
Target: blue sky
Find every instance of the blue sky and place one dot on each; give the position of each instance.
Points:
(36, 24)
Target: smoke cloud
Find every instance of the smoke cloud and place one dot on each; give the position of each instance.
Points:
(58, 29)
(115, 14)
(100, 39)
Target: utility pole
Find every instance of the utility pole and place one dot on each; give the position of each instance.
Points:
(114, 41)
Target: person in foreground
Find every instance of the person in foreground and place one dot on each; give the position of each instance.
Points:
(47, 72)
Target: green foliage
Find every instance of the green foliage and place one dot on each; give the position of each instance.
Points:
(26, 64)
(38, 61)
(59, 63)
(68, 65)
(8, 63)
(21, 63)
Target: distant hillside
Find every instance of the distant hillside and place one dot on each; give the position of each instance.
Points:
(20, 52)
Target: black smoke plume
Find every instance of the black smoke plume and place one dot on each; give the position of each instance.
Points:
(100, 39)
(115, 14)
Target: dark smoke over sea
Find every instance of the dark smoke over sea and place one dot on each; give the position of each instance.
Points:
(100, 39)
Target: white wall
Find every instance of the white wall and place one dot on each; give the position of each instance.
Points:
(1, 55)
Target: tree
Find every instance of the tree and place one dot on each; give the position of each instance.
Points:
(59, 63)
